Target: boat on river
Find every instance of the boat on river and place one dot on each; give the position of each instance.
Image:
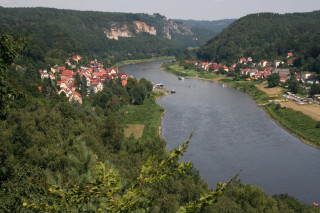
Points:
(181, 78)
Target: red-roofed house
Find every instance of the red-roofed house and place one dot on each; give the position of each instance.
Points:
(124, 82)
(76, 58)
(112, 70)
(67, 91)
(68, 62)
(290, 55)
(283, 78)
(75, 97)
(66, 73)
(61, 68)
(298, 77)
(243, 61)
(245, 71)
(205, 66)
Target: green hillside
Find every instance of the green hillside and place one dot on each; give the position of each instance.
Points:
(56, 34)
(268, 36)
(214, 26)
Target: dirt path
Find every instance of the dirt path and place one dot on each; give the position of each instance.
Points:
(311, 110)
(269, 91)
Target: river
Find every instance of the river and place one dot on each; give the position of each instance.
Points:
(231, 133)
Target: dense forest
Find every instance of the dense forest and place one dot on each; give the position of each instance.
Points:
(56, 34)
(214, 26)
(269, 36)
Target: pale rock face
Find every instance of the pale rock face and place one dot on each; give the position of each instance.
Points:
(169, 27)
(143, 27)
(117, 31)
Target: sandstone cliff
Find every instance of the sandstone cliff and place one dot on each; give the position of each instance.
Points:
(118, 30)
(166, 28)
(143, 27)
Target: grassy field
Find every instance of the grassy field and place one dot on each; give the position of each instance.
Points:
(135, 129)
(180, 71)
(123, 63)
(211, 76)
(147, 115)
(271, 91)
(296, 122)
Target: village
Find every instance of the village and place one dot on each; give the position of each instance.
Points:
(93, 75)
(260, 70)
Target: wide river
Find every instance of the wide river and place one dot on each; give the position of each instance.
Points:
(231, 134)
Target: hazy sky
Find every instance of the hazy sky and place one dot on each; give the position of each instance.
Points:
(178, 9)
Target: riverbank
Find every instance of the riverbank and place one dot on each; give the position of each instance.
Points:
(149, 115)
(137, 61)
(296, 123)
(164, 112)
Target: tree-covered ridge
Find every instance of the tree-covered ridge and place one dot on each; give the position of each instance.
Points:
(57, 33)
(268, 36)
(214, 26)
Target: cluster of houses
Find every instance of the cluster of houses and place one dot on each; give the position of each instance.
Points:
(94, 75)
(260, 70)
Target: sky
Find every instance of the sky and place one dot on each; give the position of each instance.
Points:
(177, 9)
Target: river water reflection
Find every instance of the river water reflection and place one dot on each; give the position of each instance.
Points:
(232, 133)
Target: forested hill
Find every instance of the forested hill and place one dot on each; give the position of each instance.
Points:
(268, 36)
(57, 33)
(214, 26)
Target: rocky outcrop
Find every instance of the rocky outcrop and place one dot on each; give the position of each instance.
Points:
(118, 30)
(171, 27)
(143, 27)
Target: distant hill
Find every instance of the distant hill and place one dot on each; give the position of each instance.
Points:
(58, 33)
(268, 36)
(215, 26)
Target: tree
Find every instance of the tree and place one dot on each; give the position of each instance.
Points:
(108, 195)
(293, 84)
(315, 89)
(83, 87)
(139, 94)
(147, 85)
(113, 134)
(77, 81)
(273, 80)
(10, 47)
